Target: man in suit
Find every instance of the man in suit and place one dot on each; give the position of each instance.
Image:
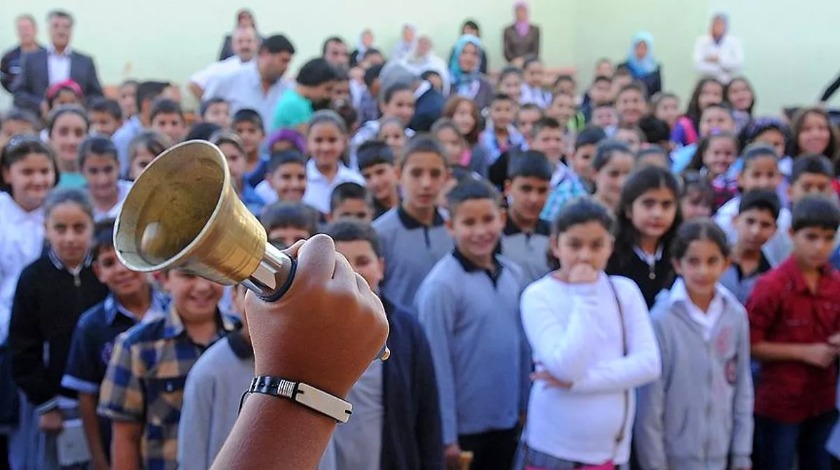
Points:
(40, 69)
(428, 105)
(27, 32)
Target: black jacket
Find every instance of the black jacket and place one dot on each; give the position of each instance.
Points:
(47, 304)
(31, 85)
(427, 110)
(412, 437)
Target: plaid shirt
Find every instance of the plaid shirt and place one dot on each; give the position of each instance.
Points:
(567, 187)
(145, 383)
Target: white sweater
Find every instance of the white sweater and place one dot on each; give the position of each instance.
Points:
(574, 332)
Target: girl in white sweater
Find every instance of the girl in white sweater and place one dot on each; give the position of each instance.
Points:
(593, 345)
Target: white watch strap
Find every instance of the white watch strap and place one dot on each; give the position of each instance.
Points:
(307, 395)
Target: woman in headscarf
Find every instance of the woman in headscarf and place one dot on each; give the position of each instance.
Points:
(365, 43)
(407, 44)
(465, 75)
(642, 64)
(521, 39)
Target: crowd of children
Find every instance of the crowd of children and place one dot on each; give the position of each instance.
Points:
(590, 278)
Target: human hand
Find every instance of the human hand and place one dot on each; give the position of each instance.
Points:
(713, 58)
(548, 380)
(582, 273)
(834, 340)
(51, 422)
(326, 329)
(452, 457)
(819, 354)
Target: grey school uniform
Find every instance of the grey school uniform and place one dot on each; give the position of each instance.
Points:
(410, 250)
(699, 414)
(528, 250)
(482, 360)
(741, 286)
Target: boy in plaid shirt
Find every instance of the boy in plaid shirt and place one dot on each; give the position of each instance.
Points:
(143, 388)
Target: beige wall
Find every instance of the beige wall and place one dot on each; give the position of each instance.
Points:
(791, 47)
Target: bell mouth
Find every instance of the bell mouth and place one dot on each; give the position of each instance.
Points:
(170, 206)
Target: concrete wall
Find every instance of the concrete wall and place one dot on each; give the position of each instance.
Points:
(791, 47)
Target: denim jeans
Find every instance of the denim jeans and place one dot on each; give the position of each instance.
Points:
(777, 444)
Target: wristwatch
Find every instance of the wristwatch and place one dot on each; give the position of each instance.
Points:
(307, 395)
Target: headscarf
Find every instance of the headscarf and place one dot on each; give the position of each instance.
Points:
(404, 49)
(360, 44)
(522, 27)
(641, 67)
(463, 80)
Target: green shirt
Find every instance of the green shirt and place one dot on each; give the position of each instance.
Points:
(292, 110)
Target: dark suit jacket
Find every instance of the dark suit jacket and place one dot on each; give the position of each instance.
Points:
(427, 110)
(519, 46)
(31, 85)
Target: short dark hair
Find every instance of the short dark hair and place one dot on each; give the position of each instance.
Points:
(655, 130)
(345, 191)
(165, 106)
(605, 150)
(564, 78)
(374, 152)
(470, 24)
(288, 214)
(545, 123)
(654, 150)
(633, 86)
(423, 142)
(372, 74)
(148, 91)
(371, 52)
(202, 131)
(60, 14)
(467, 190)
(316, 72)
(813, 164)
(761, 199)
(814, 211)
(500, 97)
(100, 104)
(224, 136)
(530, 164)
(248, 115)
(103, 237)
(387, 94)
(276, 44)
(756, 151)
(205, 105)
(602, 78)
(286, 157)
(352, 230)
(97, 145)
(23, 115)
(330, 40)
(590, 135)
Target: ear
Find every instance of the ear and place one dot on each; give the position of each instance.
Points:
(6, 176)
(97, 271)
(676, 264)
(791, 232)
(328, 217)
(508, 184)
(503, 216)
(449, 225)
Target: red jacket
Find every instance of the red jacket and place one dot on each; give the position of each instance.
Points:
(783, 310)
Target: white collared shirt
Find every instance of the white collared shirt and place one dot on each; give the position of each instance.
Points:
(729, 52)
(123, 187)
(707, 319)
(319, 189)
(21, 243)
(58, 65)
(214, 71)
(243, 89)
